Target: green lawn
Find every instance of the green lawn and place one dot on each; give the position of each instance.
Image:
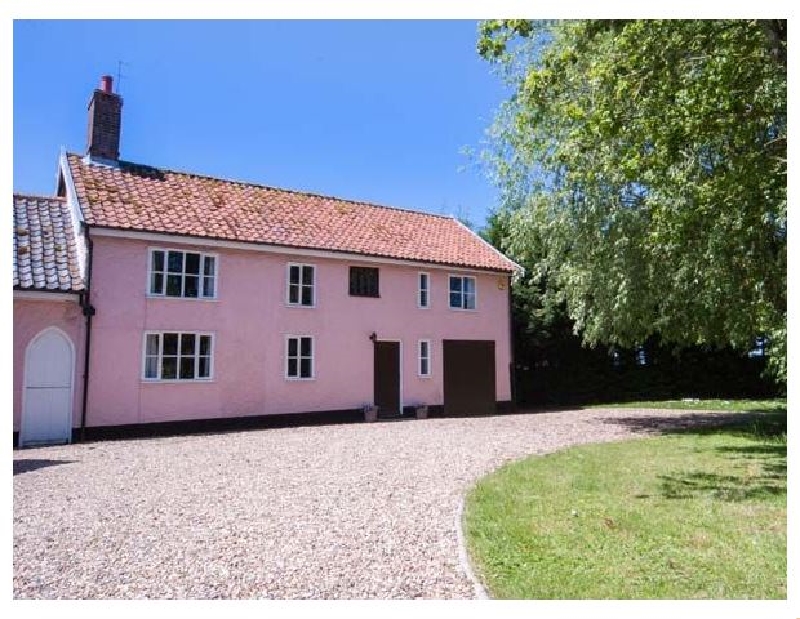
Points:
(699, 404)
(692, 514)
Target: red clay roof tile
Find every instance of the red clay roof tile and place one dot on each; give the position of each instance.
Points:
(142, 198)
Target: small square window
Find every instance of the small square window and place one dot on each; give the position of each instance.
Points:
(364, 282)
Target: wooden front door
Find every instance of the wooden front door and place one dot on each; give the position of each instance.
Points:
(47, 399)
(387, 378)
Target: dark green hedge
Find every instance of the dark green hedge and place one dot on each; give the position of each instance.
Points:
(559, 371)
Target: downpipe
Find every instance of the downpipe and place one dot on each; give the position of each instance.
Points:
(88, 312)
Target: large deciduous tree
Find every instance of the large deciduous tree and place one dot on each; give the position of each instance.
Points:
(643, 164)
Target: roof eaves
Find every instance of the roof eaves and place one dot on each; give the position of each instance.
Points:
(36, 196)
(71, 290)
(343, 252)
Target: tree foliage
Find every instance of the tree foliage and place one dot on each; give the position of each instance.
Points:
(642, 165)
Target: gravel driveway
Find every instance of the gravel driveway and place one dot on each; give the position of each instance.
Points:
(346, 511)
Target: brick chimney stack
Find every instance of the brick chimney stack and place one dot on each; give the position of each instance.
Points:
(105, 121)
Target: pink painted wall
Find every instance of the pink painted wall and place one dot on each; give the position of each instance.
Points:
(250, 321)
(32, 317)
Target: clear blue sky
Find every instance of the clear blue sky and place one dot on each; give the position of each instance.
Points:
(371, 110)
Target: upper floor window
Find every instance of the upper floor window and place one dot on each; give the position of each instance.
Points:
(300, 285)
(299, 357)
(423, 290)
(177, 356)
(186, 274)
(462, 292)
(364, 282)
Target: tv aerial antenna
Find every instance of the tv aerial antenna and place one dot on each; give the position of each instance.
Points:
(120, 74)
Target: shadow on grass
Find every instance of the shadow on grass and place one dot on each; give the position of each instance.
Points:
(27, 466)
(728, 488)
(768, 428)
(762, 424)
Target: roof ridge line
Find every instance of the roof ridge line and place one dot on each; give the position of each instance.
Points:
(274, 188)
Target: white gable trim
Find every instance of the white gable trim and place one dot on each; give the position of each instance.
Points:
(76, 213)
(277, 249)
(72, 196)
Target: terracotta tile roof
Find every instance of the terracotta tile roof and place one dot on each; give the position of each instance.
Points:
(45, 256)
(137, 197)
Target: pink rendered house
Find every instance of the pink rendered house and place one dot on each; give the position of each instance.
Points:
(145, 296)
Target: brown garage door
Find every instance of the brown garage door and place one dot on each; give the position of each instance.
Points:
(469, 377)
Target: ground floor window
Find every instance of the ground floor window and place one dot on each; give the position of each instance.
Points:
(177, 356)
(424, 356)
(299, 357)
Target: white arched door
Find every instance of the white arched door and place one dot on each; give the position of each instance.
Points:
(47, 397)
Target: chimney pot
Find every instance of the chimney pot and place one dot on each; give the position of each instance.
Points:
(106, 83)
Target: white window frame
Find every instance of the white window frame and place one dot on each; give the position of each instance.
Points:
(420, 357)
(299, 303)
(427, 275)
(463, 294)
(299, 357)
(197, 334)
(203, 255)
